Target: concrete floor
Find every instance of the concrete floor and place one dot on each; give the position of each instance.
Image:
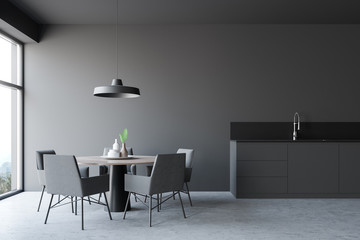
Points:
(215, 215)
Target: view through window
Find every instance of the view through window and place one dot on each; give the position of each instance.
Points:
(11, 92)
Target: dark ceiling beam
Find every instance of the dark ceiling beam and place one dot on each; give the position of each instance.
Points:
(13, 16)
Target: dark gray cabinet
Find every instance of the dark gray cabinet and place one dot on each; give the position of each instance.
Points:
(258, 168)
(294, 169)
(313, 168)
(349, 168)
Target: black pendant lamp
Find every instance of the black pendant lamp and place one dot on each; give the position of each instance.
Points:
(116, 89)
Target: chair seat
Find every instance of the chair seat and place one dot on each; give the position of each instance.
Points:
(94, 185)
(137, 183)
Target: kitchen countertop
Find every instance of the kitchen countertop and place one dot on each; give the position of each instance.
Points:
(299, 140)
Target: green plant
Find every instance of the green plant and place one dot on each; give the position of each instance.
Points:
(5, 183)
(124, 135)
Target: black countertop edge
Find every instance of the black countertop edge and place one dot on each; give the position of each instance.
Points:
(299, 140)
(314, 131)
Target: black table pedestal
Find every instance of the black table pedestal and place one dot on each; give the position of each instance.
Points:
(117, 196)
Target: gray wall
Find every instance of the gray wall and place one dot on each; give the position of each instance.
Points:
(194, 81)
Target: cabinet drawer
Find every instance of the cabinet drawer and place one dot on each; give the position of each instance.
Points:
(261, 151)
(262, 168)
(349, 168)
(261, 185)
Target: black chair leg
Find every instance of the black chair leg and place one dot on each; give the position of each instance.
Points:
(107, 205)
(75, 205)
(158, 204)
(182, 205)
(160, 200)
(126, 205)
(82, 213)
(150, 209)
(188, 193)
(99, 197)
(42, 193)
(47, 214)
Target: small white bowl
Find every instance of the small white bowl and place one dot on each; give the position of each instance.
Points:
(113, 153)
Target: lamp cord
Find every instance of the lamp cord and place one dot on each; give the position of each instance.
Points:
(117, 42)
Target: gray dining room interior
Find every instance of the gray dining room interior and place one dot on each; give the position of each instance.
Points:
(199, 67)
(260, 95)
(194, 80)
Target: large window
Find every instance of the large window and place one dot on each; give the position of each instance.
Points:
(11, 116)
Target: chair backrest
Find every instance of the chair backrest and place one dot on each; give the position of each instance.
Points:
(168, 173)
(40, 158)
(130, 150)
(62, 175)
(189, 156)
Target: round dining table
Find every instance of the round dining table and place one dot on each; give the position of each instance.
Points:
(117, 194)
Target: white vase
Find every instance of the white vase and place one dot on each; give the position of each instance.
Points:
(116, 146)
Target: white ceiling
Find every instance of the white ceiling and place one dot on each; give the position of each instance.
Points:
(192, 11)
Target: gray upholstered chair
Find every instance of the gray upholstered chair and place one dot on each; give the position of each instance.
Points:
(63, 177)
(167, 176)
(41, 171)
(188, 169)
(84, 171)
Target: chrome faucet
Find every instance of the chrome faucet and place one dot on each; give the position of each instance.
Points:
(296, 125)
